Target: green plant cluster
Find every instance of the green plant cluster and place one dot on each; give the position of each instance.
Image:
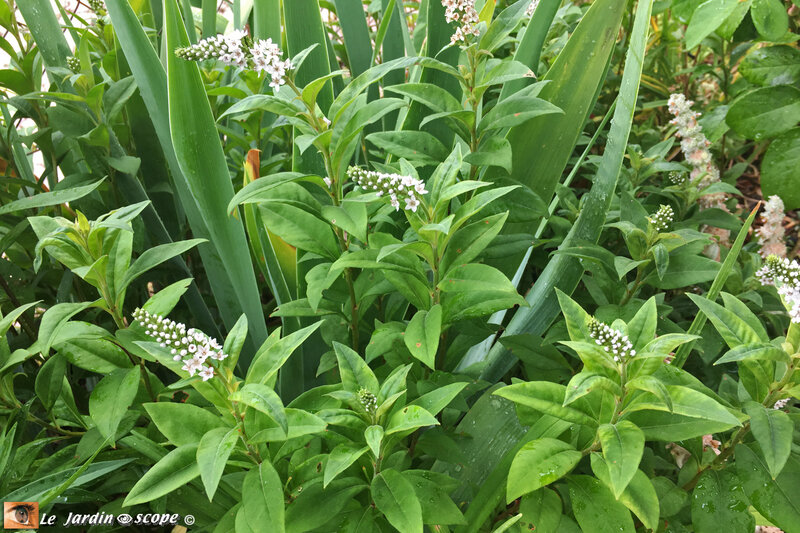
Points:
(422, 265)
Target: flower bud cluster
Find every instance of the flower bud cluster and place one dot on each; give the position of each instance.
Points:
(74, 64)
(190, 346)
(677, 177)
(771, 232)
(394, 186)
(368, 401)
(531, 8)
(98, 6)
(611, 340)
(662, 218)
(463, 12)
(785, 275)
(238, 50)
(780, 404)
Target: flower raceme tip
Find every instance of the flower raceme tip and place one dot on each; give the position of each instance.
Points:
(237, 49)
(396, 187)
(190, 346)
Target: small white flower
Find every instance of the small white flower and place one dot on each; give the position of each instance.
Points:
(207, 373)
(328, 182)
(412, 203)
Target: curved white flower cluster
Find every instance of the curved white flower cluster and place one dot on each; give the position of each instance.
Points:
(463, 12)
(662, 218)
(190, 346)
(785, 275)
(237, 50)
(531, 8)
(368, 401)
(396, 187)
(771, 232)
(694, 145)
(611, 340)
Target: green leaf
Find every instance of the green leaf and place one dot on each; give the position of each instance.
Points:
(773, 430)
(772, 65)
(754, 352)
(687, 269)
(652, 385)
(272, 355)
(687, 402)
(770, 19)
(394, 496)
(642, 327)
(439, 398)
(50, 380)
(539, 463)
(437, 506)
(422, 335)
(765, 112)
(547, 398)
(340, 459)
(541, 509)
(780, 169)
(152, 257)
(468, 242)
(262, 499)
(408, 418)
(706, 18)
(176, 469)
(732, 328)
(415, 146)
(374, 435)
(355, 372)
(111, 398)
(182, 423)
(315, 506)
(262, 102)
(595, 507)
(263, 399)
(44, 199)
(719, 504)
(775, 499)
(639, 496)
(623, 445)
(213, 452)
(585, 382)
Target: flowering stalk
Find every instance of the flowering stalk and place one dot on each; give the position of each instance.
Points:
(611, 341)
(771, 232)
(695, 147)
(464, 13)
(393, 186)
(190, 346)
(238, 49)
